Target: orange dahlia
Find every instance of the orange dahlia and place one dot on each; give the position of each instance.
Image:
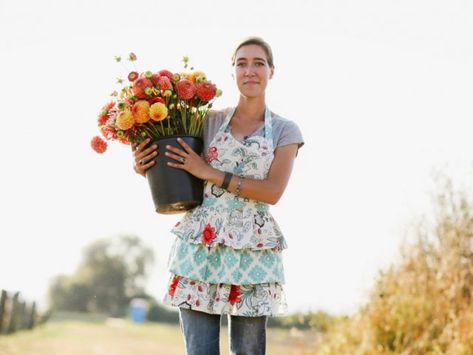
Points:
(140, 111)
(158, 111)
(125, 120)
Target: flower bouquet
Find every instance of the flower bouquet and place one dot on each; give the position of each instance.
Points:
(161, 106)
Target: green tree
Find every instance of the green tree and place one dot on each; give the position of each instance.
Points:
(111, 272)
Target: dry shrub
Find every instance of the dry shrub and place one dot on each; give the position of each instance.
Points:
(422, 305)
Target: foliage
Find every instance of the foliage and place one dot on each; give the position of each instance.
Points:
(159, 313)
(111, 273)
(320, 321)
(423, 305)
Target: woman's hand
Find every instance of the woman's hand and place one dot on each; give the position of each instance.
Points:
(143, 158)
(188, 160)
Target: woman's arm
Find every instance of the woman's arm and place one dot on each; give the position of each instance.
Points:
(269, 190)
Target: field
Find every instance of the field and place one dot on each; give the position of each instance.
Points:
(89, 335)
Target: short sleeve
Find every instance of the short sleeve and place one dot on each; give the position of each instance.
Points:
(290, 134)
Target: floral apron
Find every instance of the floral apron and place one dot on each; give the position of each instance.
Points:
(226, 258)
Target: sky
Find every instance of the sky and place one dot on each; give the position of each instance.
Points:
(380, 89)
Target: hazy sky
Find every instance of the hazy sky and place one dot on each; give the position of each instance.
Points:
(382, 91)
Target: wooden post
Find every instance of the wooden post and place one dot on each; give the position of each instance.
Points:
(32, 316)
(21, 317)
(13, 313)
(3, 300)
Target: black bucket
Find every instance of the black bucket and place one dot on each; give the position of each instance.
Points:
(174, 190)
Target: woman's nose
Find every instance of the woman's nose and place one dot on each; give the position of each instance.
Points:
(249, 70)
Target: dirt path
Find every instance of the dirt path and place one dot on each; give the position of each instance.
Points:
(119, 337)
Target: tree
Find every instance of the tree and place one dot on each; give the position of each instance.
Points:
(111, 273)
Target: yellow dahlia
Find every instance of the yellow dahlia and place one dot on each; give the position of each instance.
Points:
(158, 111)
(125, 120)
(197, 75)
(141, 111)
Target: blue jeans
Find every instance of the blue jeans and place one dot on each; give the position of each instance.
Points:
(202, 333)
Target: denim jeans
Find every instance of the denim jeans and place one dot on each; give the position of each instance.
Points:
(202, 333)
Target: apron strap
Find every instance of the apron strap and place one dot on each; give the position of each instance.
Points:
(268, 126)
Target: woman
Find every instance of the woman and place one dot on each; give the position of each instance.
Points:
(227, 255)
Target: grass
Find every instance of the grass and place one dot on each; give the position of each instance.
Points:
(74, 334)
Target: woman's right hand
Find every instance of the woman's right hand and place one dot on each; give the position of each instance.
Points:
(144, 158)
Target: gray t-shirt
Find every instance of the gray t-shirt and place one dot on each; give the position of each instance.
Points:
(284, 131)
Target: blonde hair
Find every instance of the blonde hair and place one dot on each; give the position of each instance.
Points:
(259, 42)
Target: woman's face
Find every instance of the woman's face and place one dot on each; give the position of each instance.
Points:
(252, 70)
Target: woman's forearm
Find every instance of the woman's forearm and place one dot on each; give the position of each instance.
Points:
(268, 190)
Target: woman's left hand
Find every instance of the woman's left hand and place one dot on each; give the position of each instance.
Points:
(188, 160)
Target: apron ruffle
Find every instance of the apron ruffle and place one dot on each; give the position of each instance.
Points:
(222, 264)
(266, 299)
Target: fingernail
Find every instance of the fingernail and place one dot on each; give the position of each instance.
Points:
(179, 139)
(154, 146)
(168, 146)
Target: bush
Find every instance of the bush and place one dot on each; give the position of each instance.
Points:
(159, 313)
(424, 304)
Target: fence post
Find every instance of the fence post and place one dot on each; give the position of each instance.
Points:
(22, 314)
(32, 316)
(13, 313)
(3, 300)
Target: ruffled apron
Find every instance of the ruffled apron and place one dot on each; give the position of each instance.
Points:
(227, 258)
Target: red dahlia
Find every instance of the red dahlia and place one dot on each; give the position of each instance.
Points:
(155, 99)
(98, 144)
(185, 89)
(164, 83)
(140, 86)
(166, 73)
(206, 90)
(133, 76)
